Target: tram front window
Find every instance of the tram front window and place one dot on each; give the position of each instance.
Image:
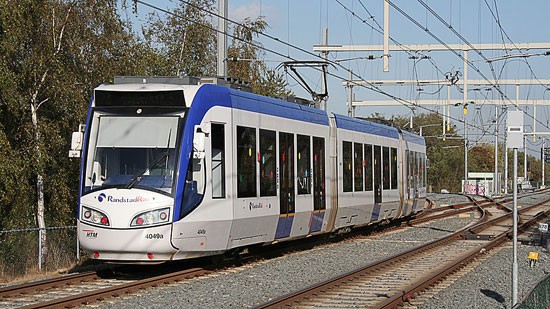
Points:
(132, 152)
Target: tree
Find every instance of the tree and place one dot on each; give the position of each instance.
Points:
(183, 43)
(446, 156)
(53, 52)
(482, 158)
(245, 60)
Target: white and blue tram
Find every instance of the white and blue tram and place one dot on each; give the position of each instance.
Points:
(175, 171)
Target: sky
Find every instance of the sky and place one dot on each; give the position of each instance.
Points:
(355, 22)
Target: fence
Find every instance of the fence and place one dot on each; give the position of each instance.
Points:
(539, 296)
(21, 249)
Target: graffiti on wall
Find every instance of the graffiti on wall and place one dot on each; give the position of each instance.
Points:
(478, 189)
(483, 187)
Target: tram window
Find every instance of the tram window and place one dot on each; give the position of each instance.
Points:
(377, 167)
(418, 169)
(426, 165)
(246, 162)
(415, 168)
(304, 164)
(393, 168)
(286, 162)
(423, 168)
(218, 160)
(319, 173)
(386, 167)
(368, 167)
(347, 167)
(407, 165)
(412, 170)
(268, 163)
(358, 166)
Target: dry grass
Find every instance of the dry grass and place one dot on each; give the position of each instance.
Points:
(32, 275)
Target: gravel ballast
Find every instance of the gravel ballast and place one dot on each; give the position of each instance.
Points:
(486, 286)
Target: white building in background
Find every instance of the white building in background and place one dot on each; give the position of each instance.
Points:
(480, 183)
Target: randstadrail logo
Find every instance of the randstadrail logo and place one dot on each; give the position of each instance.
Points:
(101, 197)
(138, 199)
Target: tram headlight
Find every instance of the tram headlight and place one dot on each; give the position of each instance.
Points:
(94, 216)
(151, 217)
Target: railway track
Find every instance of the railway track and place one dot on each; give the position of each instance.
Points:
(397, 280)
(79, 289)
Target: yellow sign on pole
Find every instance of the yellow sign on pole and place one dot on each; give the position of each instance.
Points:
(533, 256)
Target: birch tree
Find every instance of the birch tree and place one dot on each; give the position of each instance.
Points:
(52, 54)
(183, 41)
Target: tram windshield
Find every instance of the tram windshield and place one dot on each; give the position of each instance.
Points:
(132, 152)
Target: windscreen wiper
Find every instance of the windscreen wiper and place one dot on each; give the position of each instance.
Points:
(157, 160)
(138, 176)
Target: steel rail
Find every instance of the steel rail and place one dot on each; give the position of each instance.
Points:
(46, 284)
(294, 297)
(480, 227)
(408, 293)
(88, 297)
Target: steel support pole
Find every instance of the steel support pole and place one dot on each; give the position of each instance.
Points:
(77, 244)
(350, 96)
(524, 160)
(445, 107)
(465, 110)
(496, 179)
(386, 54)
(222, 39)
(515, 238)
(323, 103)
(543, 159)
(39, 249)
(465, 156)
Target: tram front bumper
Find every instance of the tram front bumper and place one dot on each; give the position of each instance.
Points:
(151, 244)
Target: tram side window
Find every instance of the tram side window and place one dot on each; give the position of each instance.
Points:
(386, 167)
(346, 167)
(368, 167)
(423, 169)
(304, 164)
(426, 166)
(358, 166)
(287, 175)
(218, 160)
(377, 167)
(246, 162)
(393, 168)
(268, 163)
(411, 166)
(415, 169)
(319, 201)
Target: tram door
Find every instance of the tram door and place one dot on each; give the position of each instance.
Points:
(377, 182)
(377, 174)
(319, 202)
(286, 193)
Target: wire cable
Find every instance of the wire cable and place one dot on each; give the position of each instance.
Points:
(496, 86)
(368, 85)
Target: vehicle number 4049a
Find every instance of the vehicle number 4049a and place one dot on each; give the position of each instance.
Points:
(154, 236)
